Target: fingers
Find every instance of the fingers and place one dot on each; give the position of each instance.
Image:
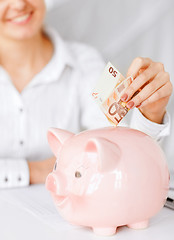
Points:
(151, 83)
(142, 79)
(137, 64)
(160, 80)
(164, 91)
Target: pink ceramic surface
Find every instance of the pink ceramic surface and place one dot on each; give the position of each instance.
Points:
(107, 178)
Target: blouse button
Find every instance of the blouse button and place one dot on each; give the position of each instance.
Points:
(6, 179)
(21, 110)
(21, 142)
(19, 178)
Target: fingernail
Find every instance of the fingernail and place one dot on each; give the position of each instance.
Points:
(138, 106)
(130, 104)
(124, 97)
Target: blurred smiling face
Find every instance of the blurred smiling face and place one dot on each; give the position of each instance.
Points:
(21, 19)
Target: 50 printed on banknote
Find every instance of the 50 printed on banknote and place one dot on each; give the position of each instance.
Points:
(108, 91)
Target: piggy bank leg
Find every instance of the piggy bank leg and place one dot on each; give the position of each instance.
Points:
(105, 231)
(139, 225)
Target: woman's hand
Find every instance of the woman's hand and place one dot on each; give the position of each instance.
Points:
(153, 86)
(39, 170)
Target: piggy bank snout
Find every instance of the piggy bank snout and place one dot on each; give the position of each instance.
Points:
(51, 183)
(57, 183)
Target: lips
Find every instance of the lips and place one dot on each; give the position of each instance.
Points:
(22, 19)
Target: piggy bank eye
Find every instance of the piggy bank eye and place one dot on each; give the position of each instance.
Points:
(55, 166)
(78, 174)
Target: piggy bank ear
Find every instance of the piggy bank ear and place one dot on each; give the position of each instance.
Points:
(56, 138)
(107, 153)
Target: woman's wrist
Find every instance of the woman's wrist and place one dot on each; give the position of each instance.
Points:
(39, 170)
(34, 170)
(154, 117)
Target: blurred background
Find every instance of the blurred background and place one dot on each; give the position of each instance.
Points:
(121, 30)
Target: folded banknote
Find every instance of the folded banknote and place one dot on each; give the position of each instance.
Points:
(108, 91)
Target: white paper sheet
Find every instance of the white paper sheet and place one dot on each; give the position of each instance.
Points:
(37, 201)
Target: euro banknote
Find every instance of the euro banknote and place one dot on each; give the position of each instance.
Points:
(108, 91)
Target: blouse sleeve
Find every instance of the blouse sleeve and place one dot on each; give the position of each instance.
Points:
(14, 173)
(155, 130)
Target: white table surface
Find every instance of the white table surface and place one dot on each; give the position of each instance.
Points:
(22, 216)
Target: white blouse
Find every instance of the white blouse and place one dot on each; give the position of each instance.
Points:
(59, 96)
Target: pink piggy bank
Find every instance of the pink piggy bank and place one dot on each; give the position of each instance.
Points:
(107, 178)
